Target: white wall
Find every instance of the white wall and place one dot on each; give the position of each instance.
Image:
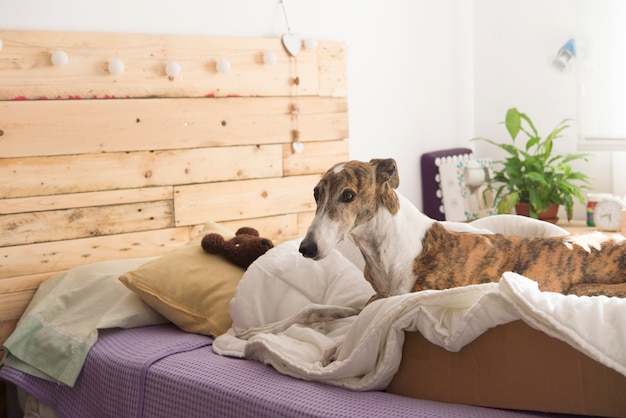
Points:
(406, 94)
(513, 40)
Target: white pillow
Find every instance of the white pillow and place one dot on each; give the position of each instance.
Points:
(282, 282)
(522, 226)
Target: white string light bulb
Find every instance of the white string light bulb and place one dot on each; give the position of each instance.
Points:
(269, 58)
(172, 69)
(116, 66)
(310, 44)
(222, 66)
(0, 44)
(59, 58)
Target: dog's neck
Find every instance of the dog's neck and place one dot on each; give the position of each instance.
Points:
(389, 244)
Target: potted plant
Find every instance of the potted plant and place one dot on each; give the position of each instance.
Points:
(532, 174)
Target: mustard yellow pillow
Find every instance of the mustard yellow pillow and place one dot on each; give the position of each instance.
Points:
(188, 286)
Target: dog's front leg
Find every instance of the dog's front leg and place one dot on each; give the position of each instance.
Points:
(380, 294)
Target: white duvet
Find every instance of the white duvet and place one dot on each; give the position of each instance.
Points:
(363, 352)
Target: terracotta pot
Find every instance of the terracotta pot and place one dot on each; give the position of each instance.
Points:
(549, 215)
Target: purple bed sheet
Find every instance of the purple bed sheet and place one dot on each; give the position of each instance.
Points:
(160, 371)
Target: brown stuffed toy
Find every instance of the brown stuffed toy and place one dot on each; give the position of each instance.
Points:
(245, 247)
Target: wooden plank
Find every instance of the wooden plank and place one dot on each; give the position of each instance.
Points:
(26, 70)
(36, 176)
(58, 225)
(87, 199)
(21, 283)
(244, 199)
(333, 69)
(25, 267)
(6, 328)
(97, 126)
(316, 157)
(277, 228)
(304, 221)
(56, 256)
(12, 305)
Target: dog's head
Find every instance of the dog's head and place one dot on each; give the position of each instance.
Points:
(349, 195)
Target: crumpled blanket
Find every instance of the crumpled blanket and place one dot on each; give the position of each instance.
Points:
(363, 352)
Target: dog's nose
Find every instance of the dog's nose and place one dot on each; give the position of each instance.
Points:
(308, 248)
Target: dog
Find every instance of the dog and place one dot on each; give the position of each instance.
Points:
(406, 251)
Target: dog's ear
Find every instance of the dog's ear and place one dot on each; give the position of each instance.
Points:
(386, 171)
(387, 179)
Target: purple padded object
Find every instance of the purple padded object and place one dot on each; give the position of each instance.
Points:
(430, 201)
(160, 371)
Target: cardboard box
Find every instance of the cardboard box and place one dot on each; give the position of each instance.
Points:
(511, 366)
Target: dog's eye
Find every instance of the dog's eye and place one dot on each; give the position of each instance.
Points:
(347, 196)
(316, 194)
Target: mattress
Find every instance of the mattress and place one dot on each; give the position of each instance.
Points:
(161, 371)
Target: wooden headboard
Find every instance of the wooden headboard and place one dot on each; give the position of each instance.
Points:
(96, 166)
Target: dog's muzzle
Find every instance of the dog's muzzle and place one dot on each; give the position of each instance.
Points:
(308, 248)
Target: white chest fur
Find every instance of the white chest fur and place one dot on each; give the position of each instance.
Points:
(390, 243)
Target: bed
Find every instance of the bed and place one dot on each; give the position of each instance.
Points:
(115, 162)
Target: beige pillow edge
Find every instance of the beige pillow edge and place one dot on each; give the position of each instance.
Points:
(186, 320)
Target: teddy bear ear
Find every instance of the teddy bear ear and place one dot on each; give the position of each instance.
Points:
(213, 243)
(247, 231)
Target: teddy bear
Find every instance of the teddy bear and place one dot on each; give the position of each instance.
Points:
(245, 247)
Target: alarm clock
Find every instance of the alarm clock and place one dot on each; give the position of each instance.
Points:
(607, 215)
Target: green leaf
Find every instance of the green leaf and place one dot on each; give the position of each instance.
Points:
(530, 124)
(507, 204)
(573, 157)
(556, 131)
(532, 142)
(513, 122)
(538, 178)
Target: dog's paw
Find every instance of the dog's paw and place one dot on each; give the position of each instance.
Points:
(376, 296)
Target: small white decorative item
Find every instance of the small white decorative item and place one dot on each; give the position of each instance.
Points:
(310, 44)
(59, 58)
(116, 66)
(298, 147)
(465, 192)
(0, 44)
(269, 58)
(222, 66)
(172, 69)
(292, 43)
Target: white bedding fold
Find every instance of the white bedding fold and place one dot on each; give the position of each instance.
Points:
(363, 352)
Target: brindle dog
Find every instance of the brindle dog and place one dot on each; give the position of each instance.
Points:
(405, 251)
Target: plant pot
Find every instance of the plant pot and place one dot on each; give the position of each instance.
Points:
(549, 215)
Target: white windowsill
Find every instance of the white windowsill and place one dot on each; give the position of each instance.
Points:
(602, 144)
